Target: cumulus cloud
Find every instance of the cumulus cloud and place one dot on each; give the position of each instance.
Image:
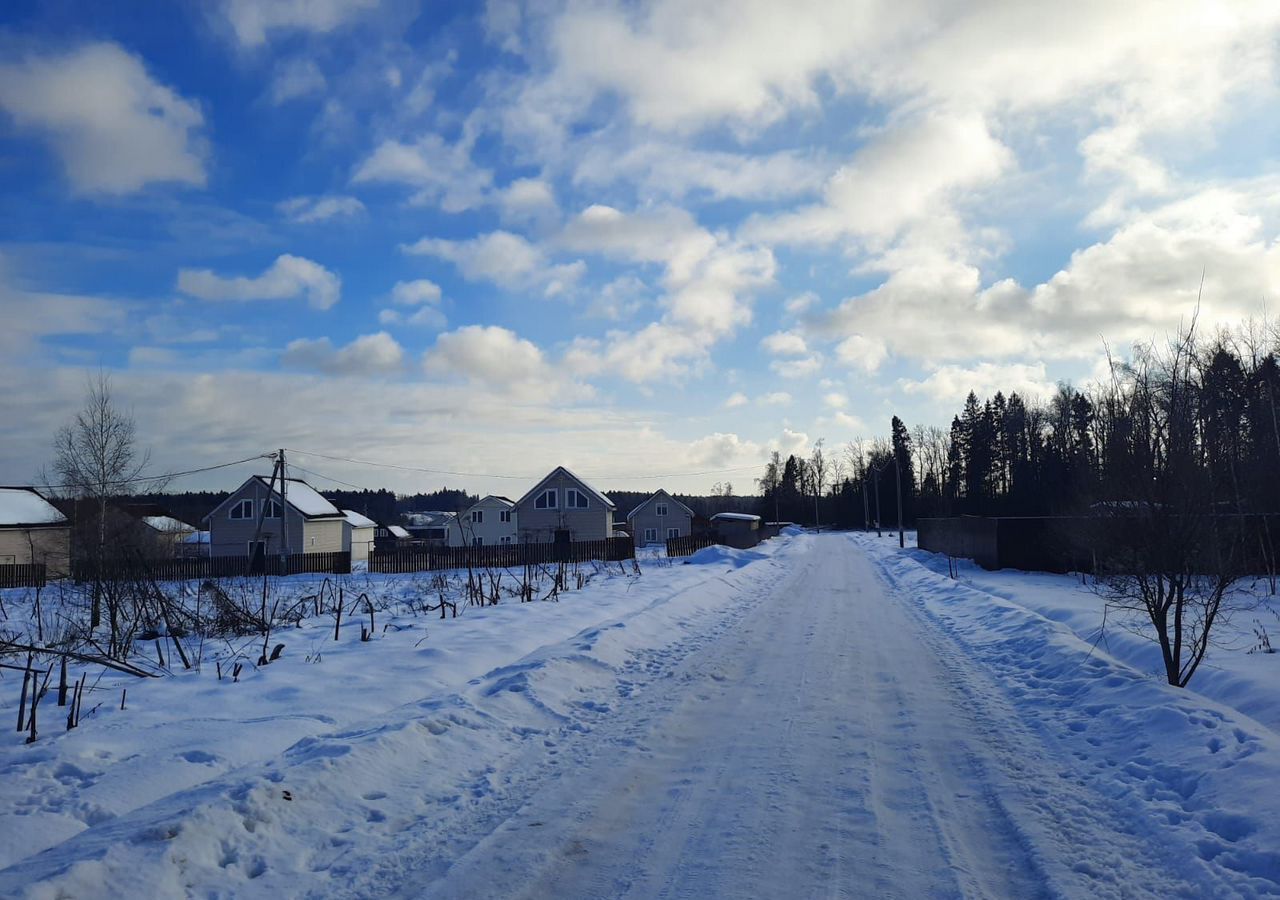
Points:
(253, 21)
(423, 296)
(308, 210)
(288, 277)
(504, 258)
(487, 353)
(953, 383)
(774, 398)
(735, 400)
(785, 343)
(440, 173)
(114, 128)
(296, 78)
(672, 170)
(797, 367)
(369, 354)
(859, 352)
(528, 200)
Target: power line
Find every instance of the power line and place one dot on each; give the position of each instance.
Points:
(165, 477)
(383, 465)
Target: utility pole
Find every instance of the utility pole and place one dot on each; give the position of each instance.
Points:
(284, 514)
(897, 468)
(866, 504)
(878, 534)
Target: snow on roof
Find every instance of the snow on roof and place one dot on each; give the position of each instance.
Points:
(24, 506)
(304, 498)
(398, 531)
(736, 517)
(502, 501)
(196, 537)
(653, 497)
(356, 520)
(590, 490)
(167, 524)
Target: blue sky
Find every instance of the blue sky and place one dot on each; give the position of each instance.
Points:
(637, 239)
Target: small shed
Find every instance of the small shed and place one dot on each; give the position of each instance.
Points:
(741, 530)
(358, 535)
(32, 530)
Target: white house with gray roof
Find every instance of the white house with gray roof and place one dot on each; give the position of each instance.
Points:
(314, 525)
(486, 523)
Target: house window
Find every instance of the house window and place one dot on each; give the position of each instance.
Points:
(650, 534)
(242, 509)
(660, 509)
(256, 548)
(477, 516)
(505, 539)
(575, 499)
(546, 500)
(504, 516)
(673, 533)
(273, 509)
(477, 542)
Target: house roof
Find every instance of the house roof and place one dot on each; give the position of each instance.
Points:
(562, 470)
(357, 520)
(502, 501)
(736, 517)
(398, 531)
(658, 493)
(25, 507)
(305, 499)
(168, 524)
(431, 519)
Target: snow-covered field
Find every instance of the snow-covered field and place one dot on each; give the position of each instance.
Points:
(826, 715)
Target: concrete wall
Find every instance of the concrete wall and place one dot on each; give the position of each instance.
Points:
(595, 523)
(52, 546)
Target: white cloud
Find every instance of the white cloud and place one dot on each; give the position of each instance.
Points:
(504, 258)
(774, 398)
(369, 354)
(114, 128)
(296, 78)
(735, 400)
(254, 20)
(487, 353)
(785, 343)
(953, 383)
(835, 400)
(441, 174)
(413, 293)
(862, 353)
(723, 450)
(288, 277)
(801, 303)
(306, 210)
(528, 200)
(800, 367)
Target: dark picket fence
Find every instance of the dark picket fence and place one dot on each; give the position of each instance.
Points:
(498, 556)
(690, 544)
(337, 563)
(22, 575)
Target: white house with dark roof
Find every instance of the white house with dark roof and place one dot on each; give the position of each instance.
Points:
(314, 525)
(660, 518)
(32, 530)
(489, 521)
(563, 507)
(358, 536)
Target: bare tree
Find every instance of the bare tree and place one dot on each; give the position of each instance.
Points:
(818, 469)
(96, 457)
(1166, 554)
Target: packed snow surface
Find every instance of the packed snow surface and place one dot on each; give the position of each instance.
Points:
(825, 715)
(19, 506)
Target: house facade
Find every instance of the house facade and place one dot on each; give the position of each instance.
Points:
(563, 507)
(358, 535)
(32, 530)
(660, 518)
(485, 523)
(312, 523)
(430, 528)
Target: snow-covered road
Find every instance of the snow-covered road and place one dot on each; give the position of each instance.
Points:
(825, 718)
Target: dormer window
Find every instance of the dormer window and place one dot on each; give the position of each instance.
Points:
(242, 509)
(546, 500)
(575, 499)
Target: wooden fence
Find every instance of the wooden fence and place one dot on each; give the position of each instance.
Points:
(22, 575)
(338, 563)
(690, 544)
(498, 556)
